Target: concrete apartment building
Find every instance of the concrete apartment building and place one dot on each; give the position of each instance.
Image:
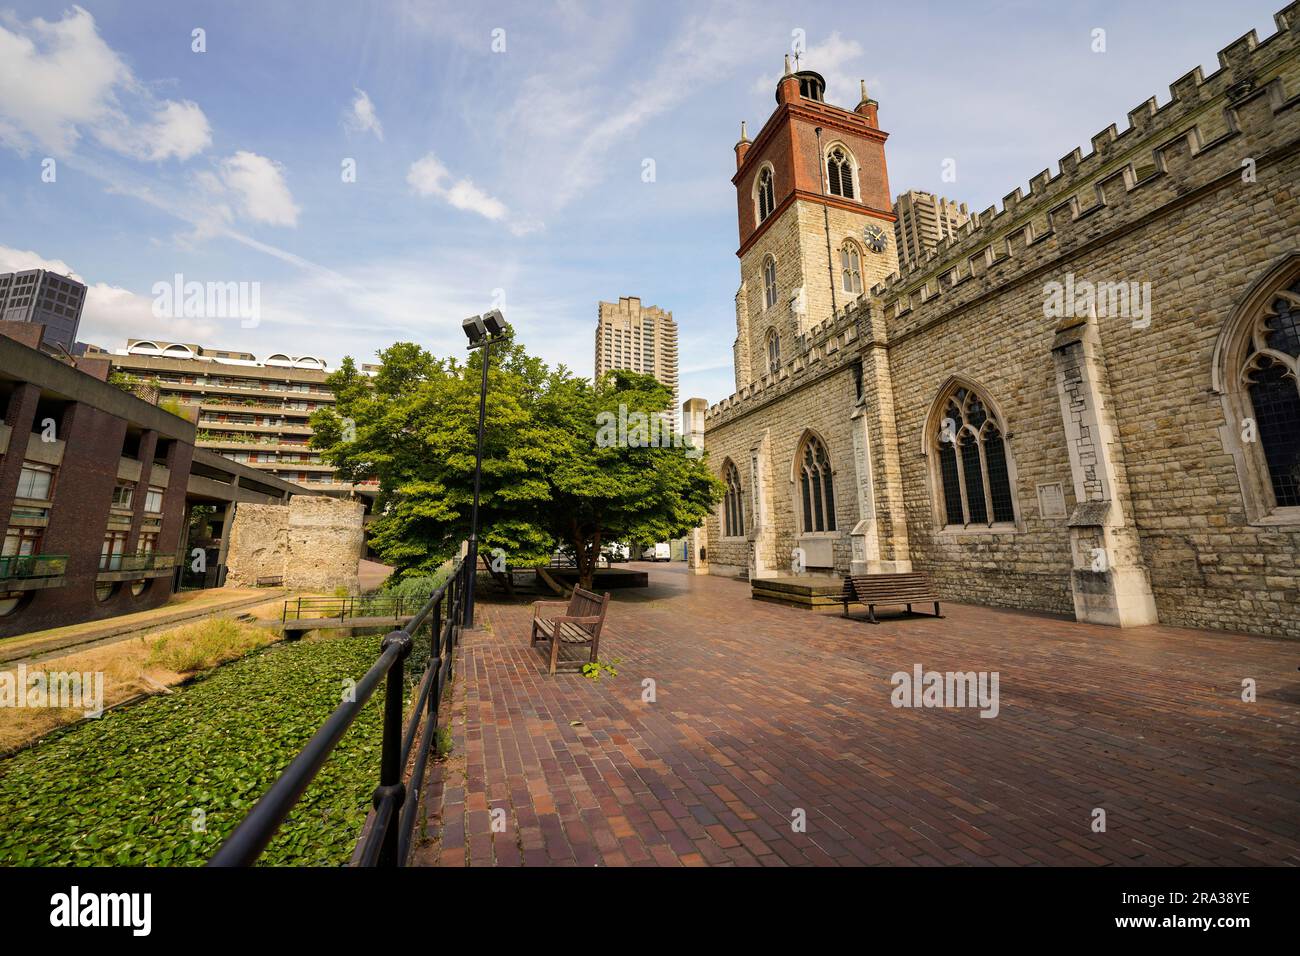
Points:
(105, 503)
(924, 220)
(642, 338)
(252, 411)
(44, 298)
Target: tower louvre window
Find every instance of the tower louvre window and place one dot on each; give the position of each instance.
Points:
(766, 194)
(839, 173)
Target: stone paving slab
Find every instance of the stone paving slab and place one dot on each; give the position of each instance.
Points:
(762, 711)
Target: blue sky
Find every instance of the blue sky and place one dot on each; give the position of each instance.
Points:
(510, 177)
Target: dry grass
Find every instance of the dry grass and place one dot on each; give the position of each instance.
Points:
(148, 664)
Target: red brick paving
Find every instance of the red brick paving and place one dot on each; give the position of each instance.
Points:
(762, 709)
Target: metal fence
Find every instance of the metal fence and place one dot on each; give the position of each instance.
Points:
(386, 841)
(366, 605)
(33, 565)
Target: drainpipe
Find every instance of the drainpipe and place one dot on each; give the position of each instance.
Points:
(826, 217)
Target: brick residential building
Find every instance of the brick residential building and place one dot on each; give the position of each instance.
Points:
(1085, 403)
(92, 493)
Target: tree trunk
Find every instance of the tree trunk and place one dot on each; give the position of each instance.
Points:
(586, 553)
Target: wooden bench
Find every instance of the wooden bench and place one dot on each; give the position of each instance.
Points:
(583, 617)
(882, 589)
(271, 581)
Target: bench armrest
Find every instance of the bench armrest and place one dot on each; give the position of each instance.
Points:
(538, 605)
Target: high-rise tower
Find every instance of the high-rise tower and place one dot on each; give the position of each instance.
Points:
(639, 337)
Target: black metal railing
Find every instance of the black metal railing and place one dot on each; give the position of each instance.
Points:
(142, 561)
(386, 840)
(342, 608)
(33, 566)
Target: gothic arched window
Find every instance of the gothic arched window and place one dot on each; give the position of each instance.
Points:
(1268, 358)
(769, 282)
(851, 268)
(773, 352)
(766, 194)
(816, 485)
(974, 474)
(733, 504)
(839, 172)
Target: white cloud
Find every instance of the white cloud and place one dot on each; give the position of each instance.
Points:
(178, 129)
(362, 118)
(111, 314)
(429, 177)
(572, 114)
(61, 80)
(259, 189)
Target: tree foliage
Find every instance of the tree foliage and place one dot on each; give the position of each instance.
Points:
(546, 479)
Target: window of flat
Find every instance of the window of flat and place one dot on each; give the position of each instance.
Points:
(35, 481)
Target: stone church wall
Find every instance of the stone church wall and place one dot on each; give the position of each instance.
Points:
(1199, 198)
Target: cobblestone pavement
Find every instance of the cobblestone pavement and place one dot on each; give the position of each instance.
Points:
(764, 713)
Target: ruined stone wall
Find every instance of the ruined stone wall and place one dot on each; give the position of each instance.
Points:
(315, 543)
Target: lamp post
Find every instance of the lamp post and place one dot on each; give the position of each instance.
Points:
(482, 331)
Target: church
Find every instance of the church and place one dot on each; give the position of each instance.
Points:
(1085, 402)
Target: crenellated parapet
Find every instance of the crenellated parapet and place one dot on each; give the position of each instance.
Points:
(823, 348)
(1245, 111)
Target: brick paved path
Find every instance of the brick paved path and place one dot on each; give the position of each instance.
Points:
(762, 710)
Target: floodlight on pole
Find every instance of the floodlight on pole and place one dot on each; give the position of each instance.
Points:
(482, 331)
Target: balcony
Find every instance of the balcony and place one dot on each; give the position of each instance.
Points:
(134, 567)
(32, 572)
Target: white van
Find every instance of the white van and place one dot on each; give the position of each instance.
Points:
(661, 552)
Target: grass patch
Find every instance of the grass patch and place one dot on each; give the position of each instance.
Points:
(132, 787)
(198, 647)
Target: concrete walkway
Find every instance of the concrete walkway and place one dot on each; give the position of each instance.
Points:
(190, 605)
(772, 740)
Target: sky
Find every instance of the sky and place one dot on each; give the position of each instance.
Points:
(534, 157)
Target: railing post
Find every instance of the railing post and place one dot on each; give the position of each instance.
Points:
(390, 761)
(435, 654)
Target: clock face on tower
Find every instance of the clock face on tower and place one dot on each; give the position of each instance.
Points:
(875, 237)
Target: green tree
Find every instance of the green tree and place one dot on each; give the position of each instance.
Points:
(547, 479)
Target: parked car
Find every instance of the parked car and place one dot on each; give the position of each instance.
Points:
(617, 552)
(662, 551)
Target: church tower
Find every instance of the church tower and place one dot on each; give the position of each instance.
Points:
(816, 226)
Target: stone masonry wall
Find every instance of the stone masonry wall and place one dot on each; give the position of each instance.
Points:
(1200, 197)
(315, 543)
